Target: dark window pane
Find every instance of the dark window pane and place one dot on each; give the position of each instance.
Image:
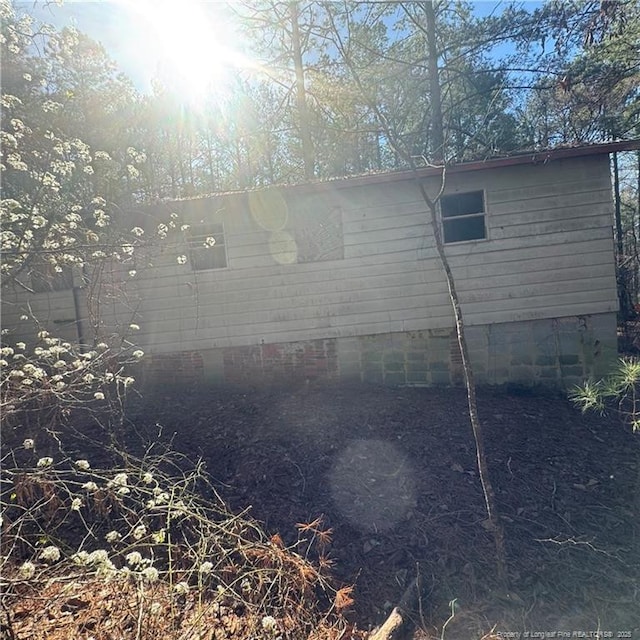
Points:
(461, 229)
(208, 258)
(462, 204)
(202, 255)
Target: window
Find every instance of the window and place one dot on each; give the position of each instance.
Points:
(463, 216)
(45, 278)
(318, 233)
(207, 247)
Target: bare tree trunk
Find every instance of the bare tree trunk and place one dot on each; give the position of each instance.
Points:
(493, 521)
(437, 128)
(435, 100)
(301, 95)
(622, 267)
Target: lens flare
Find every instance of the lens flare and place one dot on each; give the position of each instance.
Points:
(372, 485)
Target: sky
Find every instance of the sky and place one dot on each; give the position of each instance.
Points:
(188, 39)
(146, 37)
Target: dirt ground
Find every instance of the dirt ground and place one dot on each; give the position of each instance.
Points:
(393, 472)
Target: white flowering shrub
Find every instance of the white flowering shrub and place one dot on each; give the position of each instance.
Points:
(59, 229)
(56, 228)
(147, 525)
(53, 373)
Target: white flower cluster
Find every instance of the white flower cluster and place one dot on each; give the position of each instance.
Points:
(50, 554)
(98, 559)
(181, 588)
(27, 570)
(139, 532)
(150, 574)
(269, 624)
(134, 558)
(113, 536)
(119, 483)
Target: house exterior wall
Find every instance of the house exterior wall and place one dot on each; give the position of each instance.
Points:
(374, 279)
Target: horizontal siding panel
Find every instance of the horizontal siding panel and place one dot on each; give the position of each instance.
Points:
(579, 307)
(557, 241)
(409, 246)
(554, 182)
(523, 261)
(319, 293)
(519, 265)
(531, 291)
(558, 226)
(380, 237)
(283, 309)
(477, 263)
(328, 284)
(514, 280)
(51, 300)
(419, 217)
(514, 197)
(289, 331)
(596, 203)
(380, 197)
(517, 180)
(325, 308)
(62, 310)
(511, 307)
(235, 280)
(325, 317)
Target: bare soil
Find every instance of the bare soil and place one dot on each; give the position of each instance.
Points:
(393, 471)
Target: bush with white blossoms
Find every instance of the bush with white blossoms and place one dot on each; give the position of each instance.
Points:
(159, 533)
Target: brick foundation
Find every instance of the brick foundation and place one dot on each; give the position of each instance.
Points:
(281, 363)
(183, 368)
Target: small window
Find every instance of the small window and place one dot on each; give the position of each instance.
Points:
(318, 233)
(45, 278)
(463, 216)
(207, 247)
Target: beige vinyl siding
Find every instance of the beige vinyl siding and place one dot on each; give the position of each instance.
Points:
(54, 310)
(549, 253)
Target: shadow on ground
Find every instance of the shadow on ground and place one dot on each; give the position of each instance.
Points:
(393, 471)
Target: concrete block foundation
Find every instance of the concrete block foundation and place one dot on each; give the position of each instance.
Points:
(557, 352)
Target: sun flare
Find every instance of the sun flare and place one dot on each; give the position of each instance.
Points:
(189, 44)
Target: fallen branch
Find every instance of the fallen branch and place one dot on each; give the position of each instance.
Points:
(400, 613)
